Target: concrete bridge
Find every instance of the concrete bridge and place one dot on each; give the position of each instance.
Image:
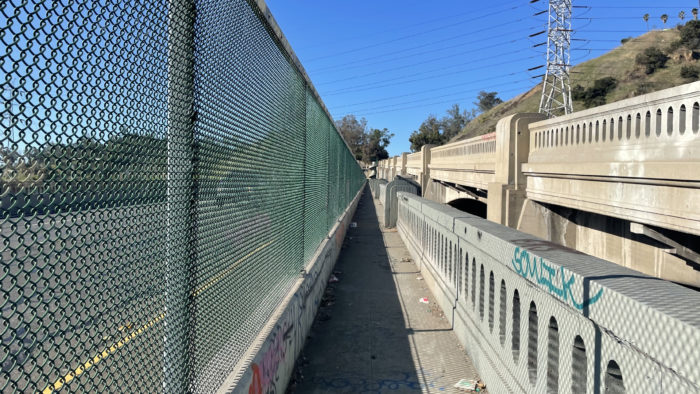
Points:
(179, 214)
(619, 181)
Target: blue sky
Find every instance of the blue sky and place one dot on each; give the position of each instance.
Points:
(396, 62)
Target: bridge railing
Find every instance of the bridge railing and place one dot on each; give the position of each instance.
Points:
(644, 128)
(647, 144)
(396, 163)
(414, 164)
(470, 162)
(537, 317)
(171, 182)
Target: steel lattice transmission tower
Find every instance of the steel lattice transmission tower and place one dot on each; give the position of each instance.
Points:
(556, 88)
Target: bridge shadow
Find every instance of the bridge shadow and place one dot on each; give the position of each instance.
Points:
(360, 340)
(621, 228)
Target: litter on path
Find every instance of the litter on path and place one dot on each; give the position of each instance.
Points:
(470, 385)
(333, 279)
(353, 225)
(424, 300)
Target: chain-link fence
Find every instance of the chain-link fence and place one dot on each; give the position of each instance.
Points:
(167, 171)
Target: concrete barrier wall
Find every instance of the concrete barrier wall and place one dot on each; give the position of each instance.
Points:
(537, 317)
(269, 364)
(382, 192)
(377, 188)
(390, 200)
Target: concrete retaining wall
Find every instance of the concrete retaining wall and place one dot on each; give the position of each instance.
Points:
(390, 200)
(537, 317)
(377, 188)
(269, 364)
(374, 186)
(382, 192)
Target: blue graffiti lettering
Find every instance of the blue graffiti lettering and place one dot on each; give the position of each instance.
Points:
(535, 268)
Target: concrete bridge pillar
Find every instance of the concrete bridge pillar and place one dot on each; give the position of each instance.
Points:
(506, 194)
(425, 171)
(403, 158)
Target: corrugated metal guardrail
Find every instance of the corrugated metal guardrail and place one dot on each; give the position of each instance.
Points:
(537, 317)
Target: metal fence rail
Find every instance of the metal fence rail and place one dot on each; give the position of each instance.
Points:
(166, 172)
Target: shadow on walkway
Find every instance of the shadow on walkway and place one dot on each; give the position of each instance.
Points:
(371, 334)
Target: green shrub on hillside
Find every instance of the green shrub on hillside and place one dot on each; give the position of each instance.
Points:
(595, 95)
(652, 59)
(689, 72)
(578, 92)
(690, 35)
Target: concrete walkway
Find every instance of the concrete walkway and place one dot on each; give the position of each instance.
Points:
(371, 334)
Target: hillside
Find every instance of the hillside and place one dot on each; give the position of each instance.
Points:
(618, 63)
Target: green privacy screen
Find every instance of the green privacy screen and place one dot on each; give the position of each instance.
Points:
(167, 172)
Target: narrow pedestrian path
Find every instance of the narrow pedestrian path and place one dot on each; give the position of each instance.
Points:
(372, 334)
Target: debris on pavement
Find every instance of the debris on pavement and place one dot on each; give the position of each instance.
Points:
(328, 298)
(470, 385)
(419, 278)
(424, 300)
(353, 225)
(406, 260)
(333, 279)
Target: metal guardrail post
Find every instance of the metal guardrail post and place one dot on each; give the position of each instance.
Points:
(181, 119)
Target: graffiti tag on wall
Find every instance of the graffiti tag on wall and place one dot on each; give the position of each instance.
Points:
(287, 337)
(554, 279)
(265, 372)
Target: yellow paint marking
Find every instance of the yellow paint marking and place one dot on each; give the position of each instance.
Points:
(112, 349)
(228, 270)
(105, 353)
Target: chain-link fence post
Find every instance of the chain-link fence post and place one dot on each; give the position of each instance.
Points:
(181, 118)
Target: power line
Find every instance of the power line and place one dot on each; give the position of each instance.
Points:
(637, 7)
(403, 79)
(409, 36)
(436, 50)
(441, 88)
(400, 80)
(611, 31)
(432, 60)
(433, 103)
(523, 89)
(361, 62)
(403, 28)
(443, 93)
(491, 86)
